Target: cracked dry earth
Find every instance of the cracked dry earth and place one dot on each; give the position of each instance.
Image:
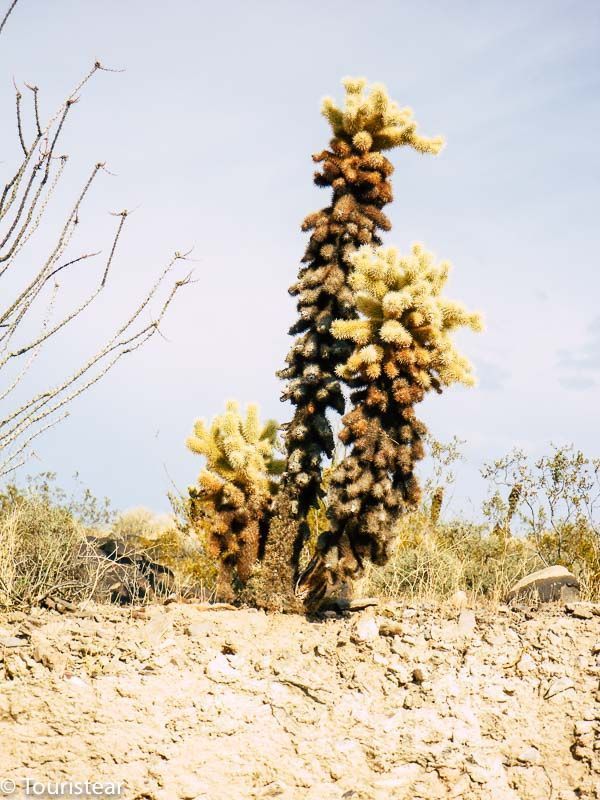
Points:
(182, 702)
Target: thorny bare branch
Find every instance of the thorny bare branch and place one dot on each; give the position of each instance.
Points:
(23, 203)
(7, 15)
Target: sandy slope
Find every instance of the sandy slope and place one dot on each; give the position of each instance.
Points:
(183, 702)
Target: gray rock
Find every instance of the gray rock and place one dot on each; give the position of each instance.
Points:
(578, 610)
(546, 585)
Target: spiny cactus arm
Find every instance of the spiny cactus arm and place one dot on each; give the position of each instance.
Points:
(410, 329)
(269, 432)
(202, 442)
(251, 426)
(371, 120)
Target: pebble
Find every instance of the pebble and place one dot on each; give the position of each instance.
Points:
(221, 671)
(420, 674)
(365, 630)
(530, 755)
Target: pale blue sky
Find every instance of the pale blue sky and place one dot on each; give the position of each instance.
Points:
(210, 132)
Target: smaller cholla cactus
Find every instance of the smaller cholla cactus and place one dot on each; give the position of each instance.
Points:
(402, 349)
(233, 495)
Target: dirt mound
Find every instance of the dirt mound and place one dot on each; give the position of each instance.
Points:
(397, 702)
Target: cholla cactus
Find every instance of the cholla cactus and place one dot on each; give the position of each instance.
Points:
(359, 175)
(234, 491)
(402, 349)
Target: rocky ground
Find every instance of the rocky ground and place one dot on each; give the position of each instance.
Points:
(183, 702)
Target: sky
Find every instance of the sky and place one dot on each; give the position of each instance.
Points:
(209, 132)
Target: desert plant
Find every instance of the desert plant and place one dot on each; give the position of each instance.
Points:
(172, 541)
(233, 495)
(44, 551)
(358, 174)
(33, 284)
(555, 503)
(403, 348)
(431, 561)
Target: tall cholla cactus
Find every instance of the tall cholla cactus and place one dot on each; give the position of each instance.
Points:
(358, 173)
(402, 348)
(234, 490)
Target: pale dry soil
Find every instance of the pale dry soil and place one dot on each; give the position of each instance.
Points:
(398, 701)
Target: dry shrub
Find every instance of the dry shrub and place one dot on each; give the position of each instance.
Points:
(43, 552)
(173, 541)
(554, 502)
(432, 561)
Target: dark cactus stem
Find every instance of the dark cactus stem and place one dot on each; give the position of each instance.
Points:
(360, 189)
(371, 488)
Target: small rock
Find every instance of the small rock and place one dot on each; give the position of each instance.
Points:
(220, 670)
(466, 622)
(419, 674)
(530, 755)
(360, 603)
(48, 656)
(546, 585)
(390, 628)
(12, 641)
(400, 670)
(526, 664)
(584, 727)
(365, 630)
(578, 610)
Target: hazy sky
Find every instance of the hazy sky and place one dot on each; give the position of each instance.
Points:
(209, 132)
